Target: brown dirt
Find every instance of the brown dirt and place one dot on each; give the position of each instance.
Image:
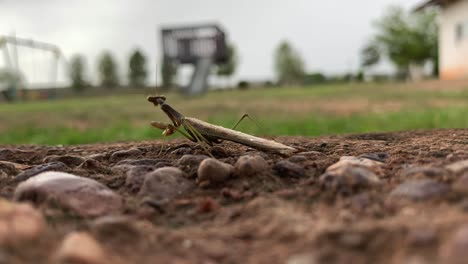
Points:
(269, 218)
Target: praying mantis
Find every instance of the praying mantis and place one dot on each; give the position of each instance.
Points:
(205, 133)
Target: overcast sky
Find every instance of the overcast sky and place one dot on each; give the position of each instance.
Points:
(329, 34)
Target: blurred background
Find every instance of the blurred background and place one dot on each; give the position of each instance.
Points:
(74, 72)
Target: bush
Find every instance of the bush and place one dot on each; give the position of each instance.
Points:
(314, 78)
(243, 85)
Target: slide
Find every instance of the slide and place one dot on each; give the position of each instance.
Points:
(199, 82)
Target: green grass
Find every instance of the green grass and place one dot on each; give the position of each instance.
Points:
(309, 111)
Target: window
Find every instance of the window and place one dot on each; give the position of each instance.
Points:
(461, 31)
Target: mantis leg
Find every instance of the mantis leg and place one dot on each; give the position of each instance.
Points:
(200, 138)
(242, 118)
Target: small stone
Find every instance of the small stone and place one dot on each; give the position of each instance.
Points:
(348, 177)
(15, 155)
(6, 154)
(304, 258)
(355, 161)
(352, 240)
(114, 227)
(84, 196)
(422, 237)
(165, 184)
(288, 169)
(136, 176)
(454, 250)
(298, 158)
(189, 164)
(420, 189)
(213, 171)
(423, 172)
(312, 154)
(125, 154)
(121, 169)
(94, 165)
(52, 166)
(461, 185)
(99, 156)
(207, 205)
(249, 166)
(181, 151)
(69, 160)
(156, 163)
(231, 194)
(380, 157)
(218, 152)
(82, 248)
(19, 222)
(458, 167)
(9, 168)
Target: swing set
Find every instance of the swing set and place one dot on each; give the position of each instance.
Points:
(27, 65)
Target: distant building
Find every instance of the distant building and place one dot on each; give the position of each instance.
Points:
(453, 38)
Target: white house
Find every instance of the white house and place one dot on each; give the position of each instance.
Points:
(453, 38)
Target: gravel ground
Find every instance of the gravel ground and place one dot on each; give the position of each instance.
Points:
(364, 198)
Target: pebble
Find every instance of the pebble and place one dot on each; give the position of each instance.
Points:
(69, 160)
(99, 156)
(298, 158)
(461, 185)
(84, 196)
(304, 258)
(288, 169)
(207, 205)
(312, 154)
(181, 151)
(213, 171)
(423, 172)
(231, 194)
(118, 228)
(380, 157)
(156, 163)
(81, 248)
(94, 165)
(165, 184)
(189, 164)
(14, 154)
(454, 250)
(9, 168)
(348, 177)
(458, 167)
(420, 189)
(124, 154)
(136, 176)
(249, 166)
(52, 166)
(19, 222)
(422, 236)
(355, 161)
(219, 152)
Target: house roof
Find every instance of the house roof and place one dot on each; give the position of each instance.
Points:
(434, 2)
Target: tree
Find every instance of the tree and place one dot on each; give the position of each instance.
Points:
(137, 73)
(370, 55)
(168, 73)
(227, 69)
(289, 65)
(107, 68)
(406, 38)
(77, 73)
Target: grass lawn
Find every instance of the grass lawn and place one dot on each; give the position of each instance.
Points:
(308, 111)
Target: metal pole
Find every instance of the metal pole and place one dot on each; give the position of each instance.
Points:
(6, 54)
(15, 52)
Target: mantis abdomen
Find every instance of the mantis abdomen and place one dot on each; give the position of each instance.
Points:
(232, 135)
